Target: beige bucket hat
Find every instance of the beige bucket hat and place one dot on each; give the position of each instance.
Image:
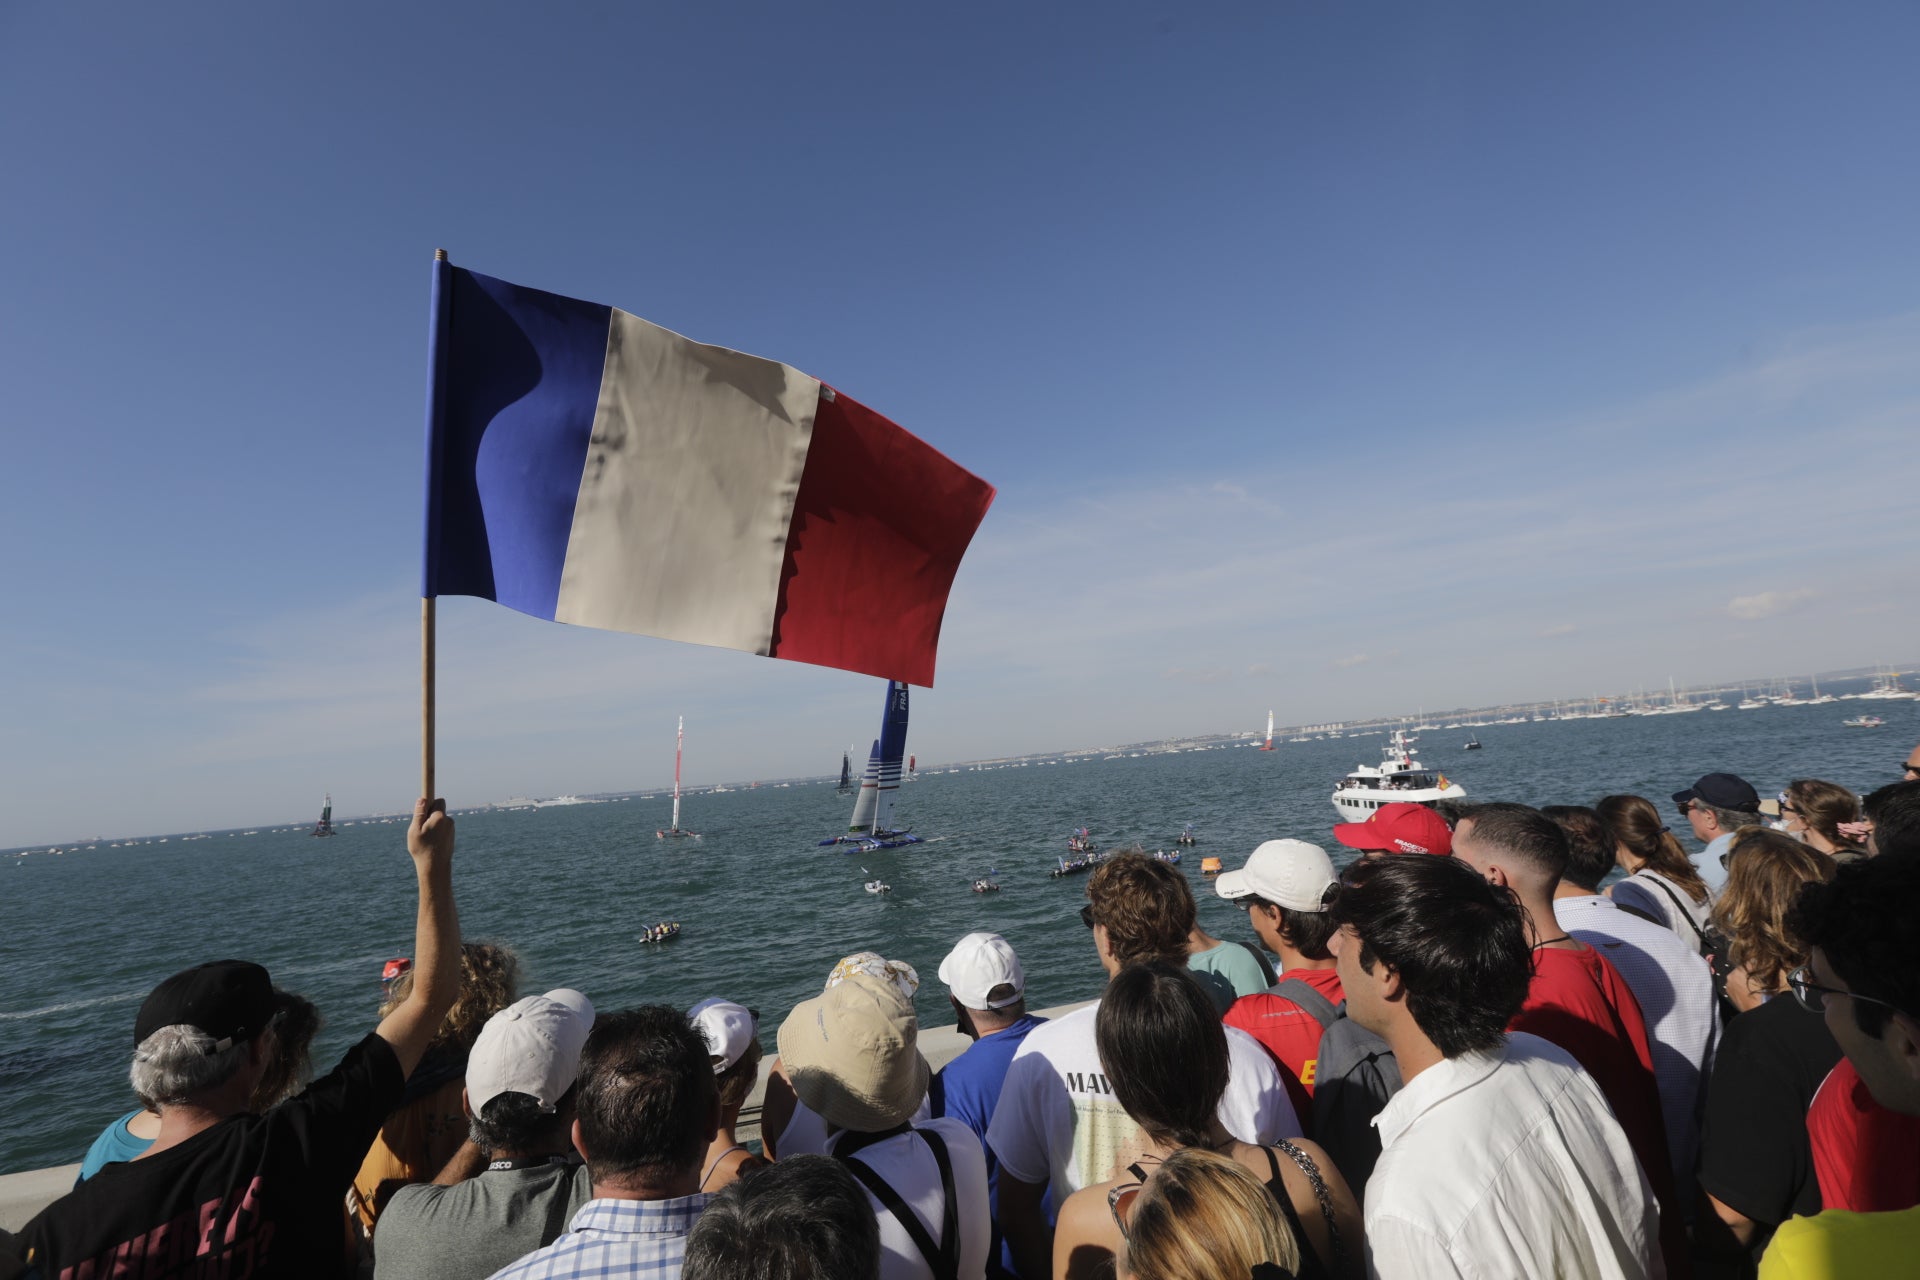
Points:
(852, 1054)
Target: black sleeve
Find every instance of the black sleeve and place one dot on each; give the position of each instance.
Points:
(335, 1120)
(1754, 1154)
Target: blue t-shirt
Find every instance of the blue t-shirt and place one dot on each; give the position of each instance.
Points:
(968, 1089)
(116, 1142)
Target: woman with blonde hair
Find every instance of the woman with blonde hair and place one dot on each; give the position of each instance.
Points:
(1765, 869)
(1201, 1216)
(1165, 1055)
(1812, 810)
(1661, 882)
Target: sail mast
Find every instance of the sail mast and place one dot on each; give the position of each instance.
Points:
(679, 740)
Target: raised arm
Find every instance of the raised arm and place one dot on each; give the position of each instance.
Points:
(436, 938)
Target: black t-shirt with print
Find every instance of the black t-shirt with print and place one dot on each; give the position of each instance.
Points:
(253, 1196)
(1754, 1154)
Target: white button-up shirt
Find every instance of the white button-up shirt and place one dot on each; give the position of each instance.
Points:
(1675, 989)
(1508, 1163)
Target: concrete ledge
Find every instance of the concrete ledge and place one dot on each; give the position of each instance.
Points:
(24, 1194)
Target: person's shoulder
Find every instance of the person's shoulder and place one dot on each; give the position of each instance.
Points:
(1056, 1033)
(1246, 1054)
(1839, 1242)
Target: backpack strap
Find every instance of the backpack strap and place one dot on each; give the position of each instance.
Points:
(1667, 889)
(1311, 1002)
(944, 1257)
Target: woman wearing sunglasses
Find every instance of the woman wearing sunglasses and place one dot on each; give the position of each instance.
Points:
(1812, 811)
(1165, 1056)
(1201, 1216)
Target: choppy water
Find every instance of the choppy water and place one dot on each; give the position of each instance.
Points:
(765, 912)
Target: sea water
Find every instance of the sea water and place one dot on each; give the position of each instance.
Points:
(764, 911)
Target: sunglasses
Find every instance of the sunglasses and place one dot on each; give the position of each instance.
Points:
(1086, 915)
(1813, 997)
(1910, 766)
(1120, 1200)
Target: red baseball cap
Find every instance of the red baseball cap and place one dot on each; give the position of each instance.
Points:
(1398, 828)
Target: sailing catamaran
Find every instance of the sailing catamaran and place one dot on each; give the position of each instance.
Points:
(679, 740)
(872, 826)
(1268, 744)
(324, 827)
(846, 771)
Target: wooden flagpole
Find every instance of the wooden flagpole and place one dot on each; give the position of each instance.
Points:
(426, 669)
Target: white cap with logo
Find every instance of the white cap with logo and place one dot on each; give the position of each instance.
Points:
(533, 1047)
(1288, 873)
(977, 964)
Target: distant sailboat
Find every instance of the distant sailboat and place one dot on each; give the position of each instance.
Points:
(1268, 744)
(324, 827)
(872, 826)
(679, 741)
(846, 771)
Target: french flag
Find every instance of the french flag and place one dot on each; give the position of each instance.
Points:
(587, 466)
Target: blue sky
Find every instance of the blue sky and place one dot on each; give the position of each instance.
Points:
(1332, 359)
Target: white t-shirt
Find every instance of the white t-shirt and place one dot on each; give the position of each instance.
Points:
(906, 1163)
(1675, 989)
(1057, 1120)
(1508, 1163)
(1655, 895)
(806, 1131)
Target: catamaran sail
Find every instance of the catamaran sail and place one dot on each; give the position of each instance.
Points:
(324, 827)
(1268, 744)
(679, 741)
(873, 809)
(846, 771)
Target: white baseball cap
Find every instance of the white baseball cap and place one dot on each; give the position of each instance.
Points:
(977, 964)
(533, 1047)
(1288, 873)
(728, 1027)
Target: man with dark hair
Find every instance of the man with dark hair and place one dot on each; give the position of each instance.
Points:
(1283, 889)
(519, 1101)
(1893, 816)
(647, 1108)
(1499, 1156)
(1057, 1123)
(1716, 806)
(1576, 998)
(803, 1218)
(1671, 981)
(223, 1191)
(1863, 928)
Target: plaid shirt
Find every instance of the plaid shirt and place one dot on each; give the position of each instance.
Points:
(608, 1239)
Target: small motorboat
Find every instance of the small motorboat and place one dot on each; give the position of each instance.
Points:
(1074, 866)
(1081, 842)
(1863, 722)
(1186, 836)
(878, 886)
(1209, 866)
(1473, 744)
(665, 931)
(1172, 859)
(985, 886)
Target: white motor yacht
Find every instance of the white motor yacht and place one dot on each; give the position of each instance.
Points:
(1398, 779)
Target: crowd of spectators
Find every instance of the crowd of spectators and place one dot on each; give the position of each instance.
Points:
(1502, 1041)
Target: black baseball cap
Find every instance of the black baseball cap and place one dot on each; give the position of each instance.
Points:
(230, 1000)
(1722, 791)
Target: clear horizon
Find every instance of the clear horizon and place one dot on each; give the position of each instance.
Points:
(1337, 361)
